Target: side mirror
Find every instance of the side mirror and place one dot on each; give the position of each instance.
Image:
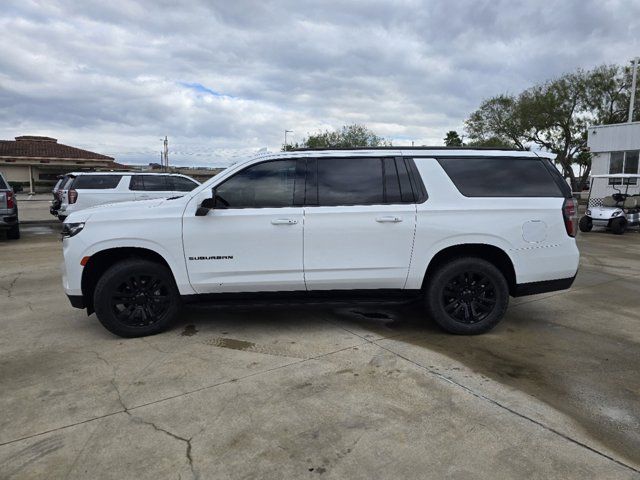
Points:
(207, 204)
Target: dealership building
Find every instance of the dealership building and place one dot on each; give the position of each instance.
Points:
(35, 162)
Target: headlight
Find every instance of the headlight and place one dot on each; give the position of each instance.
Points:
(72, 229)
(588, 212)
(616, 213)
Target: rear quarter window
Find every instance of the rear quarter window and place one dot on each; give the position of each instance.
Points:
(96, 182)
(3, 185)
(501, 177)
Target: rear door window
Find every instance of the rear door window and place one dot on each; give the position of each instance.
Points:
(96, 182)
(150, 183)
(358, 181)
(350, 181)
(501, 177)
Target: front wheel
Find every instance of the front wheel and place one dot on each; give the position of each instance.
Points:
(467, 296)
(618, 225)
(136, 298)
(585, 224)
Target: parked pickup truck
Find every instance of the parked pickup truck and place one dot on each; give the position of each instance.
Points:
(8, 210)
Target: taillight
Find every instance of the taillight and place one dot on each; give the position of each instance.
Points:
(10, 200)
(570, 214)
(73, 196)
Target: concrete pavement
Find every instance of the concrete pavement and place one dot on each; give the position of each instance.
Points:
(358, 391)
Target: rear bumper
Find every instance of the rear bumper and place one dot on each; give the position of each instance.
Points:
(77, 301)
(533, 288)
(8, 220)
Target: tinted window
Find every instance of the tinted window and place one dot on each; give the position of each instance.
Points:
(96, 182)
(350, 181)
(3, 186)
(150, 183)
(182, 184)
(269, 184)
(501, 177)
(67, 183)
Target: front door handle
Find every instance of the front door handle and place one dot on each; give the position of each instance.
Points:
(283, 221)
(388, 219)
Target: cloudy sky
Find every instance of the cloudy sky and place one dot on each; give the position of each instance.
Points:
(223, 78)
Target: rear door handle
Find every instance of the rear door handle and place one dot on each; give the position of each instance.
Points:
(283, 221)
(388, 219)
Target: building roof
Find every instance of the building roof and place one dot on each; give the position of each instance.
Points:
(28, 146)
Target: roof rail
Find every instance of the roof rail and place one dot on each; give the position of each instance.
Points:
(394, 147)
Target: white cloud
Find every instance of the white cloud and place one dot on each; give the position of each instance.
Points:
(115, 77)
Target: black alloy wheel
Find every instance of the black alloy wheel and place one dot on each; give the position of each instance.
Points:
(469, 297)
(140, 300)
(136, 297)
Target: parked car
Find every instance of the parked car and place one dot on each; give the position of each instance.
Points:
(460, 229)
(88, 189)
(8, 210)
(57, 194)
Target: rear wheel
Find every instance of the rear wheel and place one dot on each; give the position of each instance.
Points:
(618, 225)
(135, 298)
(467, 296)
(585, 224)
(14, 233)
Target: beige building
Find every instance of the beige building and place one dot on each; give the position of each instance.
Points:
(36, 162)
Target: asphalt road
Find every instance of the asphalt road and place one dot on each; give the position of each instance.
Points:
(360, 391)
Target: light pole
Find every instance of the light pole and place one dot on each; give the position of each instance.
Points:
(285, 138)
(632, 100)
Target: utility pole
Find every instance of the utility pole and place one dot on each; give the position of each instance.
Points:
(633, 89)
(166, 154)
(285, 138)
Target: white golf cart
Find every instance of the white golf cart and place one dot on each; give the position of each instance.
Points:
(617, 211)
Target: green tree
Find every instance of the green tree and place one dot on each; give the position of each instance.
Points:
(348, 136)
(452, 139)
(555, 115)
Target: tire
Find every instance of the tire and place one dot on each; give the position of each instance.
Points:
(585, 224)
(618, 225)
(126, 303)
(458, 303)
(14, 233)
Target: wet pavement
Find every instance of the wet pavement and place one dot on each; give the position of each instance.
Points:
(357, 391)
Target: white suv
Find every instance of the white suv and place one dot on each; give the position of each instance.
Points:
(87, 189)
(462, 229)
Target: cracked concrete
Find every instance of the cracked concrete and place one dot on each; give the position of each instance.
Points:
(9, 288)
(351, 392)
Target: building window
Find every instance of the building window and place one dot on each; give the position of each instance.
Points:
(624, 162)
